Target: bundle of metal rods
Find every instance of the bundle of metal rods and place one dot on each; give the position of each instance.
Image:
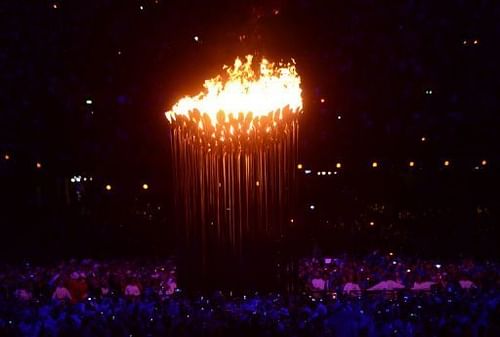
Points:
(234, 183)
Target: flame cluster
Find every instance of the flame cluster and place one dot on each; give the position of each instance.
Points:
(242, 102)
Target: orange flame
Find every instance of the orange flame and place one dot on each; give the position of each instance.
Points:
(242, 100)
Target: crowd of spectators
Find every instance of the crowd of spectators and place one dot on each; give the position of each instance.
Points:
(339, 297)
(389, 272)
(76, 281)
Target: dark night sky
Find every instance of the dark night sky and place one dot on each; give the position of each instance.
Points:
(375, 65)
(371, 63)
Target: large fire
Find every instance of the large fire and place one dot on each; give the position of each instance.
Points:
(242, 101)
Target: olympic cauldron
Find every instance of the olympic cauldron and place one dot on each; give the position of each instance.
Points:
(234, 148)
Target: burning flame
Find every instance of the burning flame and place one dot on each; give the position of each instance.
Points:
(242, 100)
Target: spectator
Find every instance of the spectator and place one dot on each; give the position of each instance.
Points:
(78, 287)
(23, 294)
(62, 293)
(133, 289)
